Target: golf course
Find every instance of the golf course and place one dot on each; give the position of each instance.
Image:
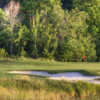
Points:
(49, 49)
(32, 87)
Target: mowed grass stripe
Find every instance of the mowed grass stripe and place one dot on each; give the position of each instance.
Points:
(50, 66)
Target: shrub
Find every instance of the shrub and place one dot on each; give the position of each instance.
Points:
(3, 53)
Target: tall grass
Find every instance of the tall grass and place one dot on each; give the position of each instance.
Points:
(29, 88)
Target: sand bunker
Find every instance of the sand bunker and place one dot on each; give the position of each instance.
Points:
(69, 76)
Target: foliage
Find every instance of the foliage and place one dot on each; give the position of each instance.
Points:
(92, 7)
(76, 45)
(45, 29)
(3, 53)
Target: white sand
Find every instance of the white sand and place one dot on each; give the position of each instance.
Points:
(68, 76)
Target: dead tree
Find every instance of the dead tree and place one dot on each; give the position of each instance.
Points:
(12, 10)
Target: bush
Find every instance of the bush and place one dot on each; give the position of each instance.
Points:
(3, 53)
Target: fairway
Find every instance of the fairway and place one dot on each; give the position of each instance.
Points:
(50, 66)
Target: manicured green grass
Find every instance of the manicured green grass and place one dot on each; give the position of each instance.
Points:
(50, 66)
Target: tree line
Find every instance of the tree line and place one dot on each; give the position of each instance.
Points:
(54, 29)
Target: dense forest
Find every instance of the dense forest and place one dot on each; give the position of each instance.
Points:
(67, 30)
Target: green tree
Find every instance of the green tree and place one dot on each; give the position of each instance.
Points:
(77, 41)
(92, 7)
(4, 31)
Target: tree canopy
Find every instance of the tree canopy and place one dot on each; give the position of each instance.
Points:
(65, 30)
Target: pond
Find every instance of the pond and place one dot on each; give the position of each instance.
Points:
(69, 76)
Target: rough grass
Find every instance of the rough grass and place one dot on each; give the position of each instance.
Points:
(23, 87)
(30, 88)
